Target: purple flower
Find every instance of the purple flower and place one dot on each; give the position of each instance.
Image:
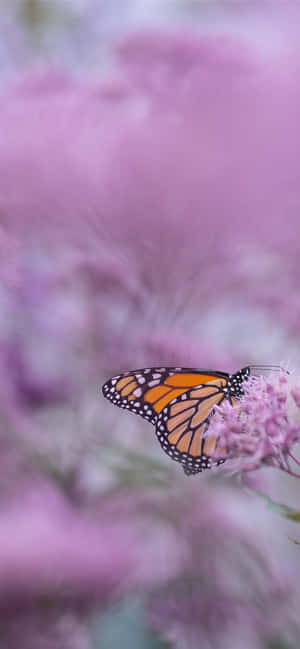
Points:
(56, 565)
(227, 589)
(262, 428)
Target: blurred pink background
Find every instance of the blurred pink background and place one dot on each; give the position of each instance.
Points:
(149, 215)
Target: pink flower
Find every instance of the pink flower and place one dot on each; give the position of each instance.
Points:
(258, 429)
(56, 565)
(228, 590)
(51, 548)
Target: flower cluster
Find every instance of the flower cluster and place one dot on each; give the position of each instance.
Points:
(259, 429)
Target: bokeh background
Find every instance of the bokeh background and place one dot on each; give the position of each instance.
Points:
(149, 215)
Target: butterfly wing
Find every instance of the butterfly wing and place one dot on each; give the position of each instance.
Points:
(147, 392)
(182, 425)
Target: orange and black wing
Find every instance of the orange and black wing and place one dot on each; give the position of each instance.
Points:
(182, 426)
(147, 392)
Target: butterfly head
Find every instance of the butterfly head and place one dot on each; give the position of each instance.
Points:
(236, 380)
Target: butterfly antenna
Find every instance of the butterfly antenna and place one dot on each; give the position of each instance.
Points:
(268, 368)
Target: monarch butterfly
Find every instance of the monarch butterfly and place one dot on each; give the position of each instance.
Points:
(180, 403)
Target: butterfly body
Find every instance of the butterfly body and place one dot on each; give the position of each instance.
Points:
(180, 403)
